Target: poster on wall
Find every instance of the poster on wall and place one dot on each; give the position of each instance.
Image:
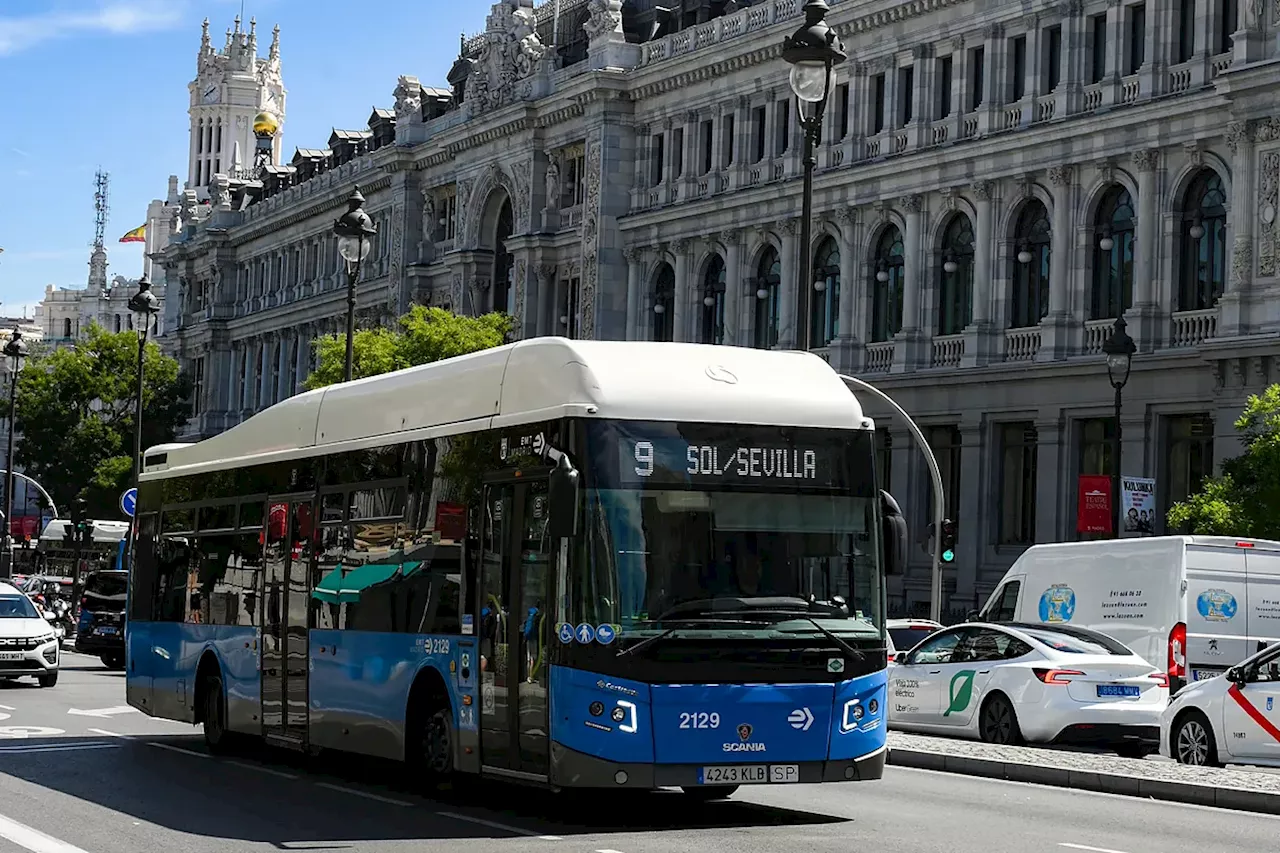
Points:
(1138, 505)
(1093, 506)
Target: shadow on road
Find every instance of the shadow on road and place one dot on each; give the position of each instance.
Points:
(220, 798)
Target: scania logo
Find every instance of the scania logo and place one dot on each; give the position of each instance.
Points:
(722, 374)
(744, 732)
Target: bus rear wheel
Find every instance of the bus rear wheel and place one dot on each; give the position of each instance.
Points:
(709, 793)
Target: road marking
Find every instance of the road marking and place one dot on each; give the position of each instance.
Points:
(109, 734)
(606, 850)
(249, 765)
(1087, 847)
(173, 748)
(366, 794)
(53, 747)
(7, 708)
(33, 839)
(502, 826)
(29, 731)
(103, 712)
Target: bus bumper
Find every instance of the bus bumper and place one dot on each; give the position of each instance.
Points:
(573, 769)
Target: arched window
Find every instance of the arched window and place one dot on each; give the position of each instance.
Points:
(1203, 256)
(1113, 257)
(664, 298)
(955, 293)
(886, 290)
(825, 316)
(66, 327)
(503, 287)
(713, 302)
(1032, 243)
(768, 299)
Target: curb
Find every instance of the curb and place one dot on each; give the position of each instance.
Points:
(1237, 799)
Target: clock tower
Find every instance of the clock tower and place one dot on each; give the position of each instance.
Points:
(232, 85)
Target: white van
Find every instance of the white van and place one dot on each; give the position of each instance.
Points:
(1194, 604)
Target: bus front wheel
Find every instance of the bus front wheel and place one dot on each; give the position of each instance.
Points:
(214, 713)
(709, 793)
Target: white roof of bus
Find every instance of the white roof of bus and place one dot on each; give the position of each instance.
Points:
(534, 380)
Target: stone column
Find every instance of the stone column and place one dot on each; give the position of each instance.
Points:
(971, 515)
(1054, 328)
(1145, 304)
(1234, 319)
(847, 346)
(547, 322)
(304, 356)
(787, 288)
(680, 299)
(1053, 492)
(979, 345)
(910, 342)
(733, 280)
(993, 45)
(262, 395)
(633, 257)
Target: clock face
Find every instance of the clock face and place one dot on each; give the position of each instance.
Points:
(211, 95)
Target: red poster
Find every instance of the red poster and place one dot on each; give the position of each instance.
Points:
(1093, 507)
(451, 521)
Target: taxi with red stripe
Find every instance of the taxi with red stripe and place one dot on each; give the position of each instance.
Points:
(1233, 718)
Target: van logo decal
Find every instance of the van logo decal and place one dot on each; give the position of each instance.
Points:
(1057, 603)
(1216, 605)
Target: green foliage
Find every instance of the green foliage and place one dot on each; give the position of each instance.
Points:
(75, 416)
(424, 335)
(1245, 500)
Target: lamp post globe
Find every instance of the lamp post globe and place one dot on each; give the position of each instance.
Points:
(144, 306)
(1119, 350)
(354, 231)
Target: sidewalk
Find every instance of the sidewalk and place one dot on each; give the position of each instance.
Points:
(1243, 790)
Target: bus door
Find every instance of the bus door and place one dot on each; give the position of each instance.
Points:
(515, 627)
(286, 559)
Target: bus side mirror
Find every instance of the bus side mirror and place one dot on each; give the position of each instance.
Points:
(563, 499)
(893, 535)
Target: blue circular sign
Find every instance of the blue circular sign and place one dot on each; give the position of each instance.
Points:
(1057, 604)
(129, 502)
(605, 634)
(585, 633)
(565, 630)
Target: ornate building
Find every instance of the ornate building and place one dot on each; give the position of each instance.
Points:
(66, 312)
(996, 183)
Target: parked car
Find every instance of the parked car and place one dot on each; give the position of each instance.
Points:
(100, 630)
(1196, 605)
(1232, 718)
(906, 634)
(1015, 683)
(28, 643)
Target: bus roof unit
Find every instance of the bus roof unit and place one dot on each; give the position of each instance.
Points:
(531, 381)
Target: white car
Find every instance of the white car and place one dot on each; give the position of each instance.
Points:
(28, 643)
(1011, 683)
(906, 634)
(1232, 718)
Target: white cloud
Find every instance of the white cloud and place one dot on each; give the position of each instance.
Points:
(119, 17)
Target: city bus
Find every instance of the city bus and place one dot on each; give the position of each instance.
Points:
(574, 563)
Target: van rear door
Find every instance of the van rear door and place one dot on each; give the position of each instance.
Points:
(1216, 628)
(1263, 574)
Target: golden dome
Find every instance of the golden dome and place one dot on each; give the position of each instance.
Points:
(265, 124)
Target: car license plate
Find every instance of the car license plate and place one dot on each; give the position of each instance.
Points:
(11, 656)
(1205, 674)
(1118, 690)
(733, 774)
(106, 630)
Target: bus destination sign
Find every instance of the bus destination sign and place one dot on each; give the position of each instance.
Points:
(677, 461)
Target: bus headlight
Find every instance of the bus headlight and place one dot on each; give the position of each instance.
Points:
(625, 711)
(853, 712)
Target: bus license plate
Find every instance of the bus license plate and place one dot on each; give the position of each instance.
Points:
(783, 773)
(734, 774)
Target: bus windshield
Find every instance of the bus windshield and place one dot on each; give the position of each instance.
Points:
(728, 529)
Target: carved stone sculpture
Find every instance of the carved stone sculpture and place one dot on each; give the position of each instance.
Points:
(408, 95)
(603, 17)
(428, 216)
(553, 184)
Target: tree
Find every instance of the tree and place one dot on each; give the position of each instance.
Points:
(1245, 499)
(424, 335)
(75, 416)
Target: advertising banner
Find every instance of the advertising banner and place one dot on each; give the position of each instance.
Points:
(1138, 505)
(1093, 507)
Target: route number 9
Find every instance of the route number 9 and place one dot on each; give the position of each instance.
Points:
(644, 458)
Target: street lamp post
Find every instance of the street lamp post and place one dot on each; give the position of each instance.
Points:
(144, 306)
(812, 51)
(15, 349)
(355, 232)
(1119, 350)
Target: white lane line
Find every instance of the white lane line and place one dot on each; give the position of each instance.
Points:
(365, 794)
(249, 765)
(73, 747)
(608, 851)
(172, 748)
(1087, 847)
(502, 826)
(106, 733)
(33, 839)
(7, 708)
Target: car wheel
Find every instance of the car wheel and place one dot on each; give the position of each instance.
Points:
(435, 746)
(709, 793)
(1192, 742)
(114, 660)
(215, 714)
(998, 723)
(48, 680)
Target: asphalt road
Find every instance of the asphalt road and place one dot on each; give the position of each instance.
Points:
(79, 772)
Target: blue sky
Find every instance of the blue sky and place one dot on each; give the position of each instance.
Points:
(103, 83)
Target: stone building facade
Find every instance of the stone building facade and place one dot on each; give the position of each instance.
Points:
(66, 312)
(995, 184)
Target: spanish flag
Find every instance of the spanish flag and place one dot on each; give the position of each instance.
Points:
(137, 235)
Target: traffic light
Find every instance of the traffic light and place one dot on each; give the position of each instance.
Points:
(948, 541)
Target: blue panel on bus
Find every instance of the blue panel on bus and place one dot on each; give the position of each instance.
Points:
(741, 722)
(601, 715)
(854, 732)
(164, 657)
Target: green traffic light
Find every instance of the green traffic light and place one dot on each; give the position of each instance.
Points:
(948, 556)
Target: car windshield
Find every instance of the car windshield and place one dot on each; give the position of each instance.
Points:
(1077, 642)
(17, 607)
(731, 529)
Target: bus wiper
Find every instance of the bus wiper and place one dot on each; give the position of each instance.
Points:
(683, 623)
(853, 652)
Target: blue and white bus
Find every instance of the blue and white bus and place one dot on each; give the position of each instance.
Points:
(577, 563)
